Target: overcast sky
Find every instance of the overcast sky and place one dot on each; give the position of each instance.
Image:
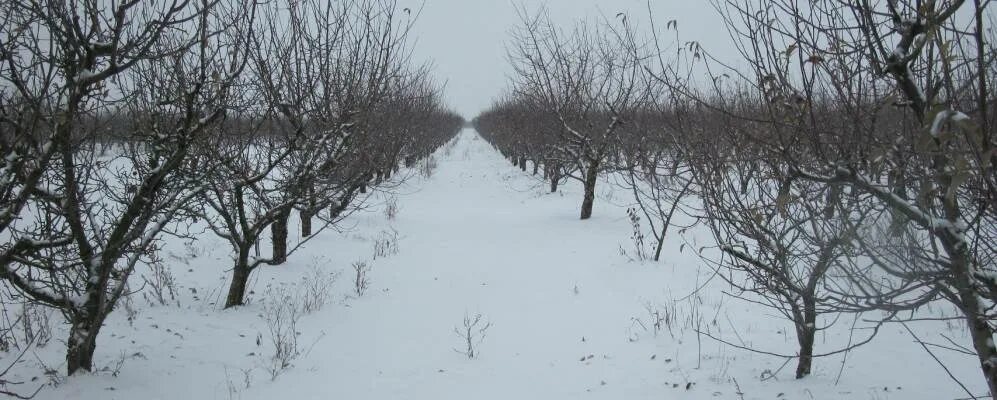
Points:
(465, 39)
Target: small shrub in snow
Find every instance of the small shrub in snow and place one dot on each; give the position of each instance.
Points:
(283, 308)
(191, 250)
(315, 289)
(7, 337)
(391, 208)
(161, 283)
(637, 236)
(386, 244)
(281, 311)
(234, 388)
(130, 311)
(722, 363)
(428, 166)
(471, 333)
(661, 318)
(24, 325)
(37, 324)
(360, 281)
(119, 363)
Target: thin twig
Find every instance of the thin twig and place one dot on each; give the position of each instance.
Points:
(940, 363)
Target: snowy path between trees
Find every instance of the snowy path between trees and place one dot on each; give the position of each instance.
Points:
(571, 317)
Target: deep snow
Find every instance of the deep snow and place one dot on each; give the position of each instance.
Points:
(569, 314)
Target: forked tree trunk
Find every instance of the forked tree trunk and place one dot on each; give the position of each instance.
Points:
(668, 220)
(278, 233)
(240, 277)
(591, 175)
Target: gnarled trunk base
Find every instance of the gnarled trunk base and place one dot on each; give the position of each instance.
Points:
(82, 343)
(240, 277)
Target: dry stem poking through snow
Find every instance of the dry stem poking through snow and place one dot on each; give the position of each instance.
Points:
(472, 333)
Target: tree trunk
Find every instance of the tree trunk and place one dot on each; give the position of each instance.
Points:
(661, 241)
(555, 177)
(668, 220)
(536, 167)
(983, 343)
(805, 334)
(82, 343)
(333, 210)
(591, 174)
(278, 233)
(240, 276)
(306, 213)
(306, 222)
(338, 206)
(522, 163)
(973, 308)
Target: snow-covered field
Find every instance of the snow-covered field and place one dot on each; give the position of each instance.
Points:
(570, 316)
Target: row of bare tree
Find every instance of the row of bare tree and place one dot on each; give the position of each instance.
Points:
(847, 164)
(124, 123)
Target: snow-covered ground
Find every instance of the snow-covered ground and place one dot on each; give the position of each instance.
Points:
(570, 316)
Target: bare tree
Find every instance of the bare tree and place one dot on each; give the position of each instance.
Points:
(92, 218)
(320, 138)
(588, 81)
(886, 103)
(655, 163)
(780, 253)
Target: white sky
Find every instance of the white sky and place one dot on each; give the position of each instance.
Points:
(465, 39)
